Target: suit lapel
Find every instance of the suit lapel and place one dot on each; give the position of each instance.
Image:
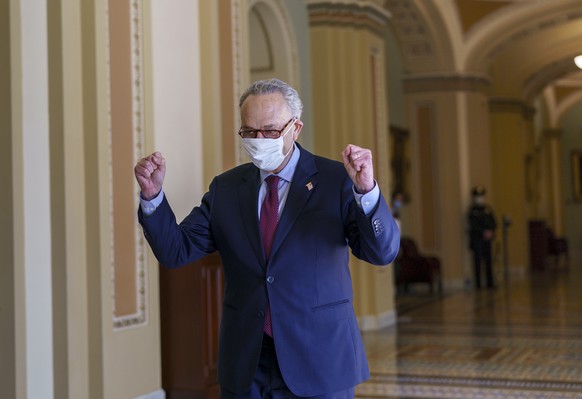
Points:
(302, 187)
(248, 196)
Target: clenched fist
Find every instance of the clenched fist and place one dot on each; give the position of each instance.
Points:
(150, 172)
(358, 163)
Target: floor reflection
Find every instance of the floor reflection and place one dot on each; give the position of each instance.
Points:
(521, 340)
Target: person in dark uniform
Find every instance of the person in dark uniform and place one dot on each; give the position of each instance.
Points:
(482, 232)
(397, 204)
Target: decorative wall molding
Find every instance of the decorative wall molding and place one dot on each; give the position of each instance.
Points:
(140, 315)
(411, 29)
(420, 84)
(354, 14)
(139, 149)
(510, 105)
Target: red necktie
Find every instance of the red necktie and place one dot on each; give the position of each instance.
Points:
(269, 219)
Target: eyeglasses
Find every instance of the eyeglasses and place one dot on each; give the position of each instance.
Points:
(267, 133)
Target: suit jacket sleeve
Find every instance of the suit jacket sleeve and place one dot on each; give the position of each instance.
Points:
(175, 244)
(374, 238)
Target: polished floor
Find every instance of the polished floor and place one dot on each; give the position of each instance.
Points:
(521, 340)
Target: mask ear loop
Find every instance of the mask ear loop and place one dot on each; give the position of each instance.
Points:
(290, 125)
(283, 136)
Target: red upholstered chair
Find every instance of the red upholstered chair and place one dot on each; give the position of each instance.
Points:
(413, 267)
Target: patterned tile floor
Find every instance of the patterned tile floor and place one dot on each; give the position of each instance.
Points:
(521, 340)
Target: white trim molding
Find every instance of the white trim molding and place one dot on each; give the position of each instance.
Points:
(377, 322)
(159, 394)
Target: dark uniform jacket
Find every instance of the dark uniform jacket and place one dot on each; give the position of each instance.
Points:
(481, 218)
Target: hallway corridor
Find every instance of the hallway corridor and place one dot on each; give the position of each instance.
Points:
(522, 340)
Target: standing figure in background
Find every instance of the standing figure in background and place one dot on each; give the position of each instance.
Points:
(482, 232)
(397, 203)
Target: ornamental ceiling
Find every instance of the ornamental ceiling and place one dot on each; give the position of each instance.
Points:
(524, 47)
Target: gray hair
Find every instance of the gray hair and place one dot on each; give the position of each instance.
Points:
(270, 86)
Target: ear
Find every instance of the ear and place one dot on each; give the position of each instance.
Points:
(297, 126)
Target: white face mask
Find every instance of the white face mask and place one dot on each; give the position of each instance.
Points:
(266, 154)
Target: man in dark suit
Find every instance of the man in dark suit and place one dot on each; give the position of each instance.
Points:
(482, 227)
(282, 225)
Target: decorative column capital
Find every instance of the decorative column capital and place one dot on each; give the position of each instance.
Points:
(452, 82)
(356, 14)
(512, 105)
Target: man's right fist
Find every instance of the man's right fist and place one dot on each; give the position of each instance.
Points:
(150, 172)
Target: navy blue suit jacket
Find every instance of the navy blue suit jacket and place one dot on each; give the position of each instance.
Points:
(307, 279)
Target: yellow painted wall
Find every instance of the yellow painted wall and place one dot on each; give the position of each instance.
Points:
(349, 107)
(508, 149)
(7, 289)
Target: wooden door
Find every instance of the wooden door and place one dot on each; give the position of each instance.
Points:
(190, 306)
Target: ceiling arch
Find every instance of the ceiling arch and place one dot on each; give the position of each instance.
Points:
(520, 47)
(509, 27)
(512, 67)
(551, 72)
(527, 50)
(271, 45)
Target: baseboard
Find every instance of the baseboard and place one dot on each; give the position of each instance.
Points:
(456, 284)
(575, 255)
(212, 392)
(159, 394)
(377, 322)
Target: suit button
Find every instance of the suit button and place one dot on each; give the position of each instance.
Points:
(261, 314)
(270, 279)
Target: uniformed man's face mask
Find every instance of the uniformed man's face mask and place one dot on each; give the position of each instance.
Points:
(397, 204)
(479, 200)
